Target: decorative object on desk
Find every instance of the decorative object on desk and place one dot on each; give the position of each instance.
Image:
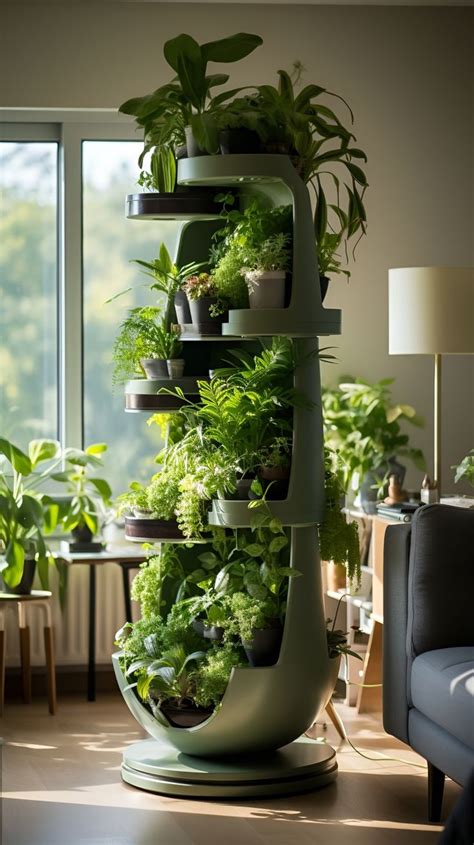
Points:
(26, 513)
(429, 493)
(363, 426)
(81, 513)
(395, 492)
(431, 312)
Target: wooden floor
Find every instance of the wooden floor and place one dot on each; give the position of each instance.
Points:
(61, 786)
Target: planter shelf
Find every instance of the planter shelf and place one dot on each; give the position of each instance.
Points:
(266, 709)
(143, 394)
(185, 205)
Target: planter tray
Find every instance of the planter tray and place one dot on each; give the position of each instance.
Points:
(189, 332)
(232, 513)
(182, 205)
(301, 766)
(143, 395)
(263, 322)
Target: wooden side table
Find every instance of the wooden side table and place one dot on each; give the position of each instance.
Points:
(39, 600)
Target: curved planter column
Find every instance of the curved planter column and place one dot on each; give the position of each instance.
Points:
(266, 708)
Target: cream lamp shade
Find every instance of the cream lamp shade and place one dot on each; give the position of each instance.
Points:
(431, 310)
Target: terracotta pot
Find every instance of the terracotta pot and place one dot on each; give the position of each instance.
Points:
(337, 576)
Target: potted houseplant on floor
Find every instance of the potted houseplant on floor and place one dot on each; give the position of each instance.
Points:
(26, 512)
(88, 495)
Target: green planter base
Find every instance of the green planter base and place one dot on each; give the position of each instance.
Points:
(301, 766)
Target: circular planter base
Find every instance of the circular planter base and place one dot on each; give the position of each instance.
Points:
(301, 766)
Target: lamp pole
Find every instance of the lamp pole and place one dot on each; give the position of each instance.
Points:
(437, 421)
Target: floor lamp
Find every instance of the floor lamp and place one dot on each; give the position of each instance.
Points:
(431, 312)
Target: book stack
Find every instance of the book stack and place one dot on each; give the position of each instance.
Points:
(402, 511)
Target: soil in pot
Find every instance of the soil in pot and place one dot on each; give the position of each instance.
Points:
(156, 529)
(235, 141)
(26, 584)
(154, 367)
(267, 290)
(185, 717)
(202, 320)
(264, 648)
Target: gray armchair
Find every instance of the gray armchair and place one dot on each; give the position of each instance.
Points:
(428, 655)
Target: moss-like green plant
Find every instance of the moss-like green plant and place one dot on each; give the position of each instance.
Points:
(213, 673)
(249, 614)
(163, 494)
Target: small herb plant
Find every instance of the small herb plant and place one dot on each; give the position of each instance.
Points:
(143, 335)
(161, 177)
(271, 255)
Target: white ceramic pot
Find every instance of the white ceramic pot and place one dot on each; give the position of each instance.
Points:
(266, 289)
(175, 367)
(154, 367)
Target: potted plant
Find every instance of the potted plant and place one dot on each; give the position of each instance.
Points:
(158, 517)
(80, 514)
(208, 312)
(257, 623)
(338, 538)
(185, 108)
(145, 345)
(363, 427)
(161, 176)
(26, 512)
(275, 467)
(134, 501)
(265, 268)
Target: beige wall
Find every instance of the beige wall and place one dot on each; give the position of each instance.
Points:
(408, 74)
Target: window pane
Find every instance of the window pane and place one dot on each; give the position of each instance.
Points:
(28, 291)
(110, 242)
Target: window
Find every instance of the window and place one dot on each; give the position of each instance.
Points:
(28, 290)
(66, 247)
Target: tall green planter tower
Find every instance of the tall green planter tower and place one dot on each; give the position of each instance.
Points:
(254, 743)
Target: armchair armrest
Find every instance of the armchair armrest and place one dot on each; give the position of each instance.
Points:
(395, 660)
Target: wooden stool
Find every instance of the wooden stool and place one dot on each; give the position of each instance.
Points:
(40, 599)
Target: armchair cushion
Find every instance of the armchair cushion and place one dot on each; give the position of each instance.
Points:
(442, 688)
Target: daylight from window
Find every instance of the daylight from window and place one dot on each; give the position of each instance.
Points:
(28, 291)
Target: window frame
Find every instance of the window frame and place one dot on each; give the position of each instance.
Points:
(69, 128)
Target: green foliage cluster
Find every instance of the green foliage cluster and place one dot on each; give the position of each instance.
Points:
(213, 674)
(338, 538)
(363, 427)
(143, 335)
(465, 470)
(27, 513)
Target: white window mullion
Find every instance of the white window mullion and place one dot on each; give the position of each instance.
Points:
(70, 263)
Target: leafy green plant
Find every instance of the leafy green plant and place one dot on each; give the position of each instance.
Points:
(337, 639)
(271, 255)
(135, 498)
(168, 677)
(161, 176)
(338, 538)
(26, 513)
(465, 470)
(188, 99)
(163, 494)
(142, 335)
(199, 286)
(277, 453)
(86, 490)
(363, 427)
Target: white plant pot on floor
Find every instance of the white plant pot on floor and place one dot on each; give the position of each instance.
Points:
(266, 289)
